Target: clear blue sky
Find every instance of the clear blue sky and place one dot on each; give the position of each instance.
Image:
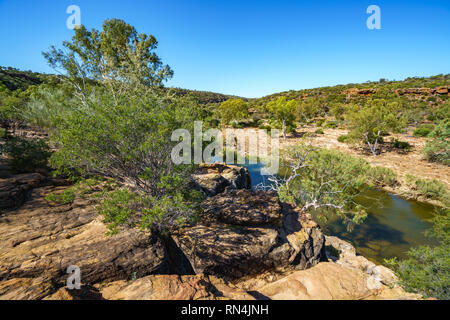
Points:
(251, 48)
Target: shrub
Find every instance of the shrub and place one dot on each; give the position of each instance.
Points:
(320, 122)
(432, 189)
(67, 196)
(265, 127)
(331, 125)
(438, 149)
(2, 133)
(320, 131)
(344, 138)
(381, 176)
(27, 155)
(424, 130)
(236, 124)
(402, 145)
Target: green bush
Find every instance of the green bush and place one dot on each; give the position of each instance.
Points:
(381, 176)
(402, 145)
(2, 133)
(27, 155)
(320, 122)
(265, 127)
(67, 196)
(424, 130)
(432, 189)
(320, 131)
(236, 124)
(331, 125)
(438, 149)
(344, 138)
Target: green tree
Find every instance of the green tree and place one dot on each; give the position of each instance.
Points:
(308, 109)
(368, 123)
(233, 110)
(283, 111)
(316, 178)
(115, 56)
(110, 121)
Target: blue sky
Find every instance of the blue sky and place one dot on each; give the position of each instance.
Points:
(251, 48)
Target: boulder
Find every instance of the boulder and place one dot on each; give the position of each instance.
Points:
(378, 275)
(330, 281)
(216, 177)
(245, 232)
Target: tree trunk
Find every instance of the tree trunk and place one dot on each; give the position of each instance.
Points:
(374, 149)
(284, 129)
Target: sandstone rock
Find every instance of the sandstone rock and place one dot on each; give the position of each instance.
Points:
(442, 90)
(25, 288)
(41, 240)
(330, 281)
(233, 243)
(244, 208)
(379, 276)
(215, 178)
(173, 287)
(326, 281)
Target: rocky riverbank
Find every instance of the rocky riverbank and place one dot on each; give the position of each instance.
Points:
(248, 245)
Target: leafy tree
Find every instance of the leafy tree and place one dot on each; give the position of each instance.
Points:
(318, 178)
(308, 109)
(427, 269)
(108, 118)
(283, 111)
(115, 56)
(367, 124)
(233, 110)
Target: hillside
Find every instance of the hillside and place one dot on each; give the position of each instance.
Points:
(366, 88)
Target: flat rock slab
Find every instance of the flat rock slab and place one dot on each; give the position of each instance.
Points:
(245, 208)
(41, 240)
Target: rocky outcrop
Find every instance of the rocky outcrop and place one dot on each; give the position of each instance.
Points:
(423, 91)
(400, 92)
(246, 232)
(378, 275)
(347, 277)
(41, 240)
(216, 177)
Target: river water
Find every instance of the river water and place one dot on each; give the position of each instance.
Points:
(392, 227)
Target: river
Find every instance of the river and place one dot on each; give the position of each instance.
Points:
(392, 227)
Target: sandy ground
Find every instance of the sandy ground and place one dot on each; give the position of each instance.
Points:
(402, 163)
